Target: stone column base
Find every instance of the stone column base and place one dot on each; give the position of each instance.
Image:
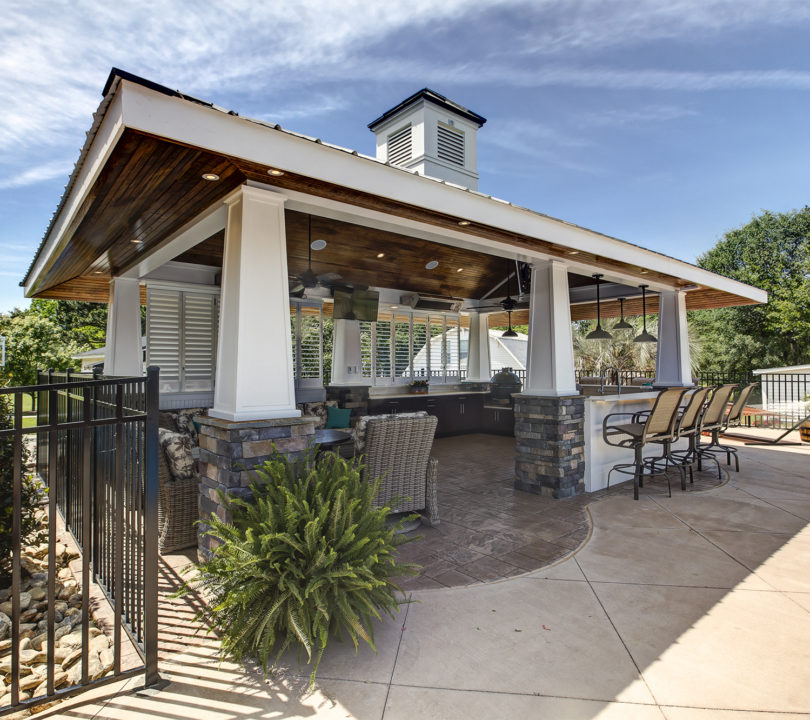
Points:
(550, 438)
(229, 452)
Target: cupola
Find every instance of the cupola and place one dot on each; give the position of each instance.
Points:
(432, 135)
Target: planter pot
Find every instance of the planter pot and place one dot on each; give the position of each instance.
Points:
(419, 390)
(804, 432)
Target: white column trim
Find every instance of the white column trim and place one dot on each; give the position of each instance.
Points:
(673, 365)
(479, 367)
(255, 378)
(550, 362)
(123, 351)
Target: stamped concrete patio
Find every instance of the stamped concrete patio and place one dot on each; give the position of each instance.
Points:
(696, 606)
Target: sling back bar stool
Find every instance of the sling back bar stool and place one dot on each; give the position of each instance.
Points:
(689, 427)
(732, 419)
(656, 426)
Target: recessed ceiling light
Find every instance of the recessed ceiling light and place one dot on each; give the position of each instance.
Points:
(463, 223)
(275, 173)
(318, 244)
(98, 272)
(136, 241)
(460, 270)
(432, 265)
(573, 252)
(380, 255)
(210, 176)
(644, 272)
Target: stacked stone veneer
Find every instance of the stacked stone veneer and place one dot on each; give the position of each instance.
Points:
(352, 397)
(550, 439)
(229, 454)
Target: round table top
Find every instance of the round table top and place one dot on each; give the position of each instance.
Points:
(331, 436)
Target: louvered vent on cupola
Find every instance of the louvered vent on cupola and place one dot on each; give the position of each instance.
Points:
(450, 145)
(400, 146)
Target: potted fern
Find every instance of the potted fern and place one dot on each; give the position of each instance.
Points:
(308, 558)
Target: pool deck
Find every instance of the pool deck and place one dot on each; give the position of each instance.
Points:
(695, 606)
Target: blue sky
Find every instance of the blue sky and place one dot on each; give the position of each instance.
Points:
(661, 123)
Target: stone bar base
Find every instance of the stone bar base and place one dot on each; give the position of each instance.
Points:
(550, 439)
(229, 452)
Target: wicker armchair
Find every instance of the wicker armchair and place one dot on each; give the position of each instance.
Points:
(178, 501)
(398, 450)
(177, 509)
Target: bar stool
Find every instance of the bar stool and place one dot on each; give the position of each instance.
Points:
(656, 426)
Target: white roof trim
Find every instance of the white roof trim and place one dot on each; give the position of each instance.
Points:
(212, 129)
(799, 369)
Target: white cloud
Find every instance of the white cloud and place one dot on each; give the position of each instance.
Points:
(39, 173)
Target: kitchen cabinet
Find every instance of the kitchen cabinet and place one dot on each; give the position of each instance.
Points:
(457, 414)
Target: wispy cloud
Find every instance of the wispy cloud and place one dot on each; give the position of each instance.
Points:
(37, 174)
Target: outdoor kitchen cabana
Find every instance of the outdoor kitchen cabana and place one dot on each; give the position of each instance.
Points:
(203, 216)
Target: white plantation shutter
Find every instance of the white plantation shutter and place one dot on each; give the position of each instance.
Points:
(199, 343)
(181, 338)
(163, 336)
(306, 325)
(367, 349)
(382, 350)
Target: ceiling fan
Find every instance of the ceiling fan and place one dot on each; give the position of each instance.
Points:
(308, 279)
(508, 304)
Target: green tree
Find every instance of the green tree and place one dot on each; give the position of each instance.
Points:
(84, 322)
(34, 341)
(771, 252)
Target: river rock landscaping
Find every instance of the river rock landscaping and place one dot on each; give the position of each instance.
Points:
(33, 644)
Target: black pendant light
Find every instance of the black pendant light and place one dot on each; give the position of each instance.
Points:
(622, 324)
(508, 304)
(645, 336)
(599, 333)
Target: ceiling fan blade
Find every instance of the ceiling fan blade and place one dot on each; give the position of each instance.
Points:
(328, 279)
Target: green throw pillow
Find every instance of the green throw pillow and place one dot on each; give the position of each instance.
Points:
(337, 417)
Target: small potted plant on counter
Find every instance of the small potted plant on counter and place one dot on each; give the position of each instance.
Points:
(419, 386)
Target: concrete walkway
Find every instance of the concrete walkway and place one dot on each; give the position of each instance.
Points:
(696, 606)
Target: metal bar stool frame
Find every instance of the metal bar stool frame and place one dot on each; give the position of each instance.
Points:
(656, 425)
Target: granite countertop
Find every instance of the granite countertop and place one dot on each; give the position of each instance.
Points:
(428, 395)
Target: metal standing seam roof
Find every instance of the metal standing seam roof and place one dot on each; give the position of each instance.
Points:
(113, 81)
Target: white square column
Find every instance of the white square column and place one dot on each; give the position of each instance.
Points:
(478, 361)
(550, 364)
(123, 352)
(673, 363)
(347, 354)
(254, 377)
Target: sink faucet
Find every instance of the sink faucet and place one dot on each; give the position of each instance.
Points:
(618, 379)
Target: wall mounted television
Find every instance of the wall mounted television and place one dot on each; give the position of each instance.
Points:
(355, 304)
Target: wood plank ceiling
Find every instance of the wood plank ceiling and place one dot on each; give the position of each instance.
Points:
(151, 187)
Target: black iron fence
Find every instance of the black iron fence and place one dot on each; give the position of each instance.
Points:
(97, 454)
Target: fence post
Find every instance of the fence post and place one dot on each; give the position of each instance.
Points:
(150, 602)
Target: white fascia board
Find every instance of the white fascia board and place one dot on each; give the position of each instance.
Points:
(797, 369)
(112, 126)
(219, 132)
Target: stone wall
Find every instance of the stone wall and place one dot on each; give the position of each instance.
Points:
(355, 398)
(550, 440)
(229, 452)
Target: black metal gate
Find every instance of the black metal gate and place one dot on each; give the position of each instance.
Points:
(97, 454)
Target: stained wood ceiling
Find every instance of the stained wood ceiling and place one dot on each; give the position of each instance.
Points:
(151, 187)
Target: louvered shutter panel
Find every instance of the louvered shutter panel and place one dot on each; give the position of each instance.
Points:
(451, 145)
(382, 351)
(311, 355)
(163, 336)
(199, 343)
(366, 349)
(399, 146)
